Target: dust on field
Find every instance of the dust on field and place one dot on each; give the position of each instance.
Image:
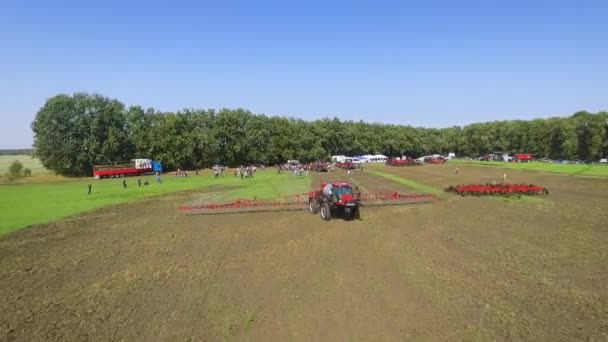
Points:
(461, 268)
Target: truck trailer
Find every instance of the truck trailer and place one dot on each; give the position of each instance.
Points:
(136, 167)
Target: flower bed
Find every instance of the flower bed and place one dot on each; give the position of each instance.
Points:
(497, 190)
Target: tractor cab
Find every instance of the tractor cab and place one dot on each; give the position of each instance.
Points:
(342, 193)
(341, 202)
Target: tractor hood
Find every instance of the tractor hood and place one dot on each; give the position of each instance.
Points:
(346, 198)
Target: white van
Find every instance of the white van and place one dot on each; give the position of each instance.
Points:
(338, 159)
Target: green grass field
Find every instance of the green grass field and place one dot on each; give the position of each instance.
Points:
(569, 169)
(25, 204)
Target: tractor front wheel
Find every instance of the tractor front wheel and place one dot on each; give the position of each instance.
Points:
(325, 212)
(313, 205)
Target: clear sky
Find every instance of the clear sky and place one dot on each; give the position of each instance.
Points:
(424, 63)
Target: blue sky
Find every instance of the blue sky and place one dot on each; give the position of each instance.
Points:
(423, 63)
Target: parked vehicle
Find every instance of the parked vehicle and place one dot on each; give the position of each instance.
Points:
(403, 162)
(319, 166)
(136, 167)
(524, 157)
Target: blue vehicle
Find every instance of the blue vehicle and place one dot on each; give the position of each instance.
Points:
(157, 166)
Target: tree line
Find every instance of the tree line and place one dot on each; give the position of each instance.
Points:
(16, 152)
(74, 132)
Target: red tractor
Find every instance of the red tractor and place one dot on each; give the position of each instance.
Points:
(342, 202)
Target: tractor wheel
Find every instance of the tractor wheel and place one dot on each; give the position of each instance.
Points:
(313, 205)
(325, 212)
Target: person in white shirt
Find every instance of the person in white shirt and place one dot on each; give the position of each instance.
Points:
(328, 191)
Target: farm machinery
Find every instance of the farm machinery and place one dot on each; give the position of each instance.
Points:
(403, 162)
(335, 200)
(319, 167)
(505, 190)
(347, 165)
(342, 201)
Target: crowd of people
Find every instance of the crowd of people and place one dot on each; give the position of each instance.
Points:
(245, 171)
(242, 172)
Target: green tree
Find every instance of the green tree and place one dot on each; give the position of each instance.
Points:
(72, 133)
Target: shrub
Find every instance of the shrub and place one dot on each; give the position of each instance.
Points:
(16, 170)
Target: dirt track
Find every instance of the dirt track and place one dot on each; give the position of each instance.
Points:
(462, 268)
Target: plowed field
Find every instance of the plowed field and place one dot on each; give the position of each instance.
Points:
(460, 268)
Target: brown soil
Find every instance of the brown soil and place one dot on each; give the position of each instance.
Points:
(461, 268)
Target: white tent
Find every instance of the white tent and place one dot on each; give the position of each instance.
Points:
(379, 158)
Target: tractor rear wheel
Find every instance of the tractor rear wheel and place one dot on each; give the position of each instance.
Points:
(313, 205)
(325, 212)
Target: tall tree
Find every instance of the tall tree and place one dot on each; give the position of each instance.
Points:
(71, 133)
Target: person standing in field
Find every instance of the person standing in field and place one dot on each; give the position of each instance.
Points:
(90, 186)
(138, 183)
(124, 183)
(456, 171)
(504, 177)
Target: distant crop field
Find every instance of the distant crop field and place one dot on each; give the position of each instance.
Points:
(39, 173)
(596, 170)
(27, 161)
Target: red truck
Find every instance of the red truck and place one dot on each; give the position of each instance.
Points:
(136, 167)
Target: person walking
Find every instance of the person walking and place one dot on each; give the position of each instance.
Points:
(90, 186)
(456, 171)
(124, 183)
(138, 183)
